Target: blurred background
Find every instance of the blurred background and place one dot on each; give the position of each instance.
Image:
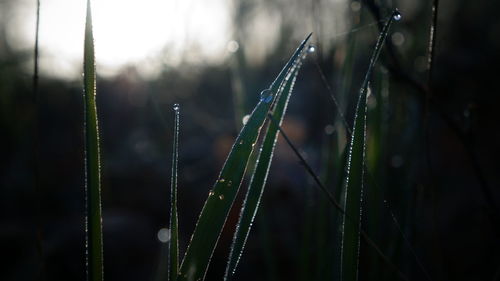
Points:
(432, 142)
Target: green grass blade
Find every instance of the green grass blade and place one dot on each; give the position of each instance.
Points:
(92, 162)
(259, 176)
(173, 258)
(352, 196)
(218, 204)
(334, 202)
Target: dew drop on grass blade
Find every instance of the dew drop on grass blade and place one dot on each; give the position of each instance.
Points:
(352, 195)
(93, 223)
(173, 257)
(260, 173)
(218, 204)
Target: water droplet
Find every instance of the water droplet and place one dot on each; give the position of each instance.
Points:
(233, 46)
(397, 16)
(241, 142)
(266, 95)
(311, 49)
(163, 235)
(222, 180)
(176, 106)
(329, 129)
(211, 193)
(221, 197)
(229, 183)
(245, 119)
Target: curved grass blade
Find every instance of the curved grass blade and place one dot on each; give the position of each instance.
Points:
(352, 196)
(93, 222)
(259, 176)
(173, 258)
(218, 204)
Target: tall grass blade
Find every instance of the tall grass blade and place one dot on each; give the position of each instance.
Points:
(259, 176)
(218, 204)
(352, 196)
(372, 164)
(93, 222)
(173, 258)
(335, 203)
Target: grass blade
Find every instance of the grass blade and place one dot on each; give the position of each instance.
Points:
(333, 201)
(259, 176)
(218, 204)
(173, 258)
(352, 195)
(92, 162)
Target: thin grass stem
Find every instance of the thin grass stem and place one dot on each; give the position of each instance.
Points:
(407, 242)
(173, 258)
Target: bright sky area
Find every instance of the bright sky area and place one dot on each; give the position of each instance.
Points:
(146, 33)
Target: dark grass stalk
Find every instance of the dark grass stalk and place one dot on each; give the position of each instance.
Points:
(36, 149)
(396, 223)
(332, 96)
(173, 258)
(428, 97)
(93, 223)
(406, 241)
(432, 41)
(426, 127)
(335, 203)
